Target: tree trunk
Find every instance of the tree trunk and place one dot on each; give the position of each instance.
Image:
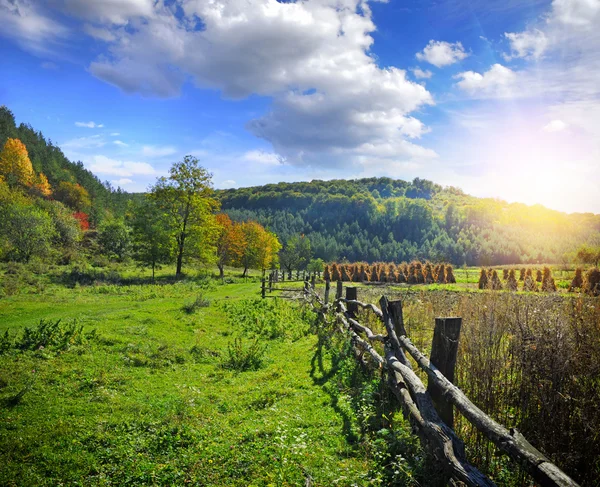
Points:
(221, 271)
(153, 266)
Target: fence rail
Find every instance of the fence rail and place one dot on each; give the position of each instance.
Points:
(429, 409)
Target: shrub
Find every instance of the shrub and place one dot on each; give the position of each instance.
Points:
(243, 358)
(193, 306)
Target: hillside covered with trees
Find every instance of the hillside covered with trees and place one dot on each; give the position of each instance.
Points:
(382, 219)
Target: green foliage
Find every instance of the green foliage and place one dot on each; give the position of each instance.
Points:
(114, 237)
(193, 306)
(49, 334)
(241, 357)
(272, 319)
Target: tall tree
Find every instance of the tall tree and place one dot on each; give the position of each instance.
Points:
(186, 196)
(231, 243)
(295, 254)
(152, 239)
(262, 247)
(15, 165)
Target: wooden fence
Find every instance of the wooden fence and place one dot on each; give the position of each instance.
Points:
(429, 409)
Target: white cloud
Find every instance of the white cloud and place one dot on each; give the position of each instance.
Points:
(578, 13)
(122, 182)
(93, 141)
(26, 23)
(115, 134)
(420, 74)
(441, 53)
(528, 44)
(158, 151)
(497, 81)
(89, 125)
(555, 126)
(262, 157)
(108, 11)
(120, 143)
(101, 164)
(100, 33)
(312, 57)
(228, 183)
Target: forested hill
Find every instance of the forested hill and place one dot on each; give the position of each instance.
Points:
(48, 159)
(383, 219)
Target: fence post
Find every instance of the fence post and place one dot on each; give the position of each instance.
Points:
(352, 295)
(306, 288)
(327, 287)
(444, 349)
(271, 283)
(338, 290)
(297, 275)
(312, 281)
(262, 288)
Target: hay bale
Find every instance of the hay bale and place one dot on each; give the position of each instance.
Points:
(511, 282)
(346, 273)
(427, 274)
(483, 279)
(326, 273)
(539, 277)
(548, 284)
(440, 277)
(450, 279)
(522, 273)
(505, 274)
(495, 282)
(335, 273)
(529, 283)
(577, 282)
(591, 284)
(374, 276)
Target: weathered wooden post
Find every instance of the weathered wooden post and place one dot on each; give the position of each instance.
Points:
(312, 281)
(297, 275)
(327, 287)
(444, 349)
(306, 292)
(262, 288)
(270, 283)
(352, 295)
(338, 290)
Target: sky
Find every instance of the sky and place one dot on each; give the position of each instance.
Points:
(500, 98)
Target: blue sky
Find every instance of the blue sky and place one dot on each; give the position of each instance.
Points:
(500, 98)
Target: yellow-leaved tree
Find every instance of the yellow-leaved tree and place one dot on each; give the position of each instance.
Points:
(41, 185)
(15, 166)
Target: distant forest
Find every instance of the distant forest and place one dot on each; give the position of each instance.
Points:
(372, 220)
(390, 220)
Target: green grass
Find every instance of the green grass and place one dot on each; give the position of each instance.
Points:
(146, 399)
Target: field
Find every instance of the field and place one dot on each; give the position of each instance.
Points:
(146, 394)
(200, 382)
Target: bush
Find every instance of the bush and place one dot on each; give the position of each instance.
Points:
(267, 318)
(47, 334)
(199, 302)
(243, 358)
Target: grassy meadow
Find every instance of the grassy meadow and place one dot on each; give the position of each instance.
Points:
(201, 382)
(154, 388)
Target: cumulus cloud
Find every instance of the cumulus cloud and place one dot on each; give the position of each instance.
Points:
(158, 151)
(122, 182)
(262, 157)
(101, 164)
(578, 13)
(498, 80)
(26, 23)
(91, 142)
(528, 44)
(89, 125)
(441, 53)
(555, 126)
(120, 143)
(313, 58)
(108, 11)
(421, 74)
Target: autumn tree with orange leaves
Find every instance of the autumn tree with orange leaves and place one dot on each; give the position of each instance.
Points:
(15, 166)
(231, 243)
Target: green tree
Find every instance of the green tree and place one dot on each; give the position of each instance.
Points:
(295, 254)
(315, 265)
(186, 197)
(114, 238)
(589, 255)
(262, 247)
(152, 238)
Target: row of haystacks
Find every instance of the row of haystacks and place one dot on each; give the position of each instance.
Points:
(489, 279)
(589, 284)
(408, 273)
